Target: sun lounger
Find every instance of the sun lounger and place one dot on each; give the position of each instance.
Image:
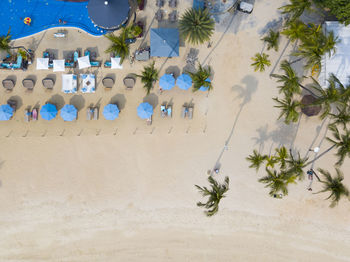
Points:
(149, 121)
(108, 82)
(29, 84)
(160, 3)
(92, 57)
(190, 112)
(48, 83)
(173, 17)
(89, 113)
(96, 113)
(34, 114)
(163, 111)
(172, 3)
(159, 15)
(129, 82)
(170, 111)
(184, 111)
(8, 84)
(108, 64)
(27, 115)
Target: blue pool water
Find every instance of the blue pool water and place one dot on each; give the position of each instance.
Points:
(44, 14)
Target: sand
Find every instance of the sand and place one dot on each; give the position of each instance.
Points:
(124, 191)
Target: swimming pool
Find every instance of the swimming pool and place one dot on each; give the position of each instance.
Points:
(44, 14)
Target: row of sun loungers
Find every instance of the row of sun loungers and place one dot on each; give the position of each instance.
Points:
(160, 14)
(92, 113)
(172, 3)
(10, 63)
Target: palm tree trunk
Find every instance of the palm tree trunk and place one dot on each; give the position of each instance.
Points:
(297, 60)
(308, 90)
(323, 153)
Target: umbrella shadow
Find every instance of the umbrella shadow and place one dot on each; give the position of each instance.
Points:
(18, 101)
(119, 100)
(151, 99)
(31, 77)
(13, 78)
(57, 100)
(78, 101)
(175, 70)
(52, 76)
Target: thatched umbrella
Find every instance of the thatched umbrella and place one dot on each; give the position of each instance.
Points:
(307, 106)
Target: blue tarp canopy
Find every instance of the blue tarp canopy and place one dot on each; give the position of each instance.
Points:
(108, 14)
(111, 111)
(6, 112)
(205, 88)
(184, 81)
(145, 110)
(165, 42)
(167, 82)
(69, 113)
(48, 111)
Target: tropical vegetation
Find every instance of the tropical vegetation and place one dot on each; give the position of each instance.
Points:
(149, 76)
(339, 8)
(196, 26)
(261, 61)
(215, 193)
(5, 42)
(296, 8)
(334, 186)
(119, 44)
(272, 40)
(201, 78)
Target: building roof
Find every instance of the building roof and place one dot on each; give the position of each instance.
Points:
(339, 63)
(165, 42)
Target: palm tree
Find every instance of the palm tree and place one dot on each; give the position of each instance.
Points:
(333, 185)
(260, 61)
(196, 26)
(296, 8)
(148, 77)
(342, 117)
(282, 156)
(296, 165)
(272, 40)
(216, 193)
(341, 142)
(289, 109)
(256, 159)
(314, 46)
(295, 30)
(290, 80)
(118, 44)
(335, 94)
(277, 182)
(5, 42)
(200, 78)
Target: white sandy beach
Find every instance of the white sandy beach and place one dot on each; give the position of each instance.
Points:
(124, 191)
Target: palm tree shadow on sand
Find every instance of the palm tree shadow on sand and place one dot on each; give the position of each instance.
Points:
(245, 95)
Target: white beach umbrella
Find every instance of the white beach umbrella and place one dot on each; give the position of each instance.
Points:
(42, 63)
(84, 62)
(58, 65)
(116, 63)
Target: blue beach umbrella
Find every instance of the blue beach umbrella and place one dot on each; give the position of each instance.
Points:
(69, 113)
(205, 88)
(6, 112)
(184, 81)
(48, 111)
(167, 82)
(111, 111)
(145, 110)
